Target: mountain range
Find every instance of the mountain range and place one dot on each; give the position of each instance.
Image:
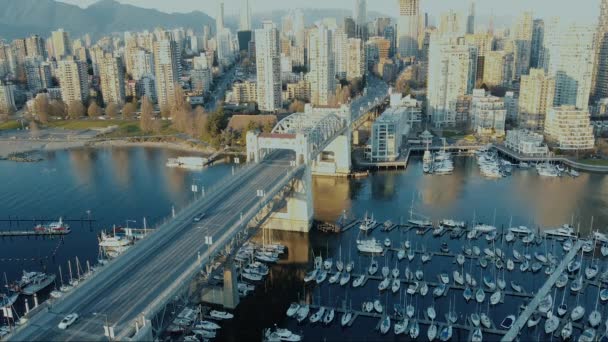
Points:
(21, 18)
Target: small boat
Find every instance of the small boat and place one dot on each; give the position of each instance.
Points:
(222, 315)
(490, 284)
(344, 279)
(485, 321)
(346, 317)
(385, 324)
(321, 276)
(477, 335)
(373, 267)
(577, 313)
(516, 287)
(551, 324)
(509, 237)
(510, 265)
(395, 285)
(468, 294)
(567, 330)
(562, 281)
(310, 276)
(413, 288)
(293, 309)
(317, 316)
(495, 297)
(562, 309)
(595, 318)
(414, 329)
(387, 242)
(401, 326)
(384, 284)
(377, 306)
(458, 278)
(439, 290)
(588, 335)
(444, 277)
(480, 295)
(446, 333)
(591, 271)
(507, 323)
(534, 320)
(302, 313)
(431, 333)
(475, 320)
(460, 259)
(431, 313)
(335, 277)
(577, 284)
(536, 266)
(359, 281)
(368, 223)
(329, 316)
(424, 289)
(546, 304)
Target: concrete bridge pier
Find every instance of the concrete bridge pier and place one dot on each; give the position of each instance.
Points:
(335, 160)
(294, 210)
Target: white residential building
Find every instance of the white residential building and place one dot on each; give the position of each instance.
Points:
(201, 73)
(112, 79)
(268, 67)
(488, 114)
(355, 64)
(526, 142)
(451, 74)
(166, 71)
(570, 128)
(412, 107)
(322, 73)
(341, 52)
(73, 80)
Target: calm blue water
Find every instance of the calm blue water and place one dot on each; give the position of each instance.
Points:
(122, 184)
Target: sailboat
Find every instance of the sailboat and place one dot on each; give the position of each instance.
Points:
(432, 331)
(595, 317)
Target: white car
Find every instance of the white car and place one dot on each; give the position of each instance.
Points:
(67, 321)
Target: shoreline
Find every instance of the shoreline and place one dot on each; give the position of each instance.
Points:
(27, 148)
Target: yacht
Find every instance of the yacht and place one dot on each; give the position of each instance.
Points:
(414, 329)
(221, 315)
(317, 316)
(359, 281)
(369, 246)
(477, 335)
(484, 228)
(368, 223)
(385, 324)
(507, 322)
(302, 313)
(577, 313)
(551, 324)
(521, 230)
(293, 309)
(564, 231)
(373, 267)
(452, 223)
(36, 281)
(7, 300)
(346, 317)
(58, 227)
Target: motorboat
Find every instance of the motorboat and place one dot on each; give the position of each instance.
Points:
(484, 228)
(431, 313)
(591, 271)
(346, 318)
(458, 278)
(507, 323)
(414, 329)
(395, 285)
(562, 280)
(317, 316)
(385, 324)
(516, 287)
(485, 320)
(509, 237)
(321, 276)
(450, 223)
(475, 320)
(310, 276)
(395, 272)
(510, 265)
(369, 246)
(577, 284)
(302, 313)
(562, 309)
(385, 271)
(551, 324)
(413, 288)
(419, 274)
(489, 283)
(536, 266)
(567, 330)
(335, 277)
(378, 306)
(446, 333)
(359, 281)
(468, 294)
(401, 326)
(424, 289)
(460, 259)
(431, 333)
(477, 335)
(206, 325)
(564, 231)
(293, 309)
(328, 263)
(540, 257)
(221, 315)
(445, 278)
(546, 304)
(345, 278)
(373, 267)
(329, 316)
(439, 290)
(595, 318)
(480, 295)
(495, 297)
(588, 335)
(521, 230)
(387, 242)
(534, 320)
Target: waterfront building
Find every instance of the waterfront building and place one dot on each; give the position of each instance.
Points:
(526, 142)
(536, 96)
(488, 114)
(268, 67)
(569, 128)
(412, 107)
(387, 134)
(407, 28)
(73, 80)
(451, 73)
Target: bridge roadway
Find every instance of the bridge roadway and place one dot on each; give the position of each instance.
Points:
(126, 287)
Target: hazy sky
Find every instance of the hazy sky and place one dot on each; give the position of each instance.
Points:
(583, 11)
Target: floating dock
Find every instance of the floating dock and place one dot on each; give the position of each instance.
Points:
(12, 233)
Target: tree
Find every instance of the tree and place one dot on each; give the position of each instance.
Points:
(128, 111)
(111, 110)
(297, 106)
(94, 110)
(268, 126)
(3, 118)
(146, 120)
(200, 123)
(57, 108)
(42, 108)
(217, 122)
(75, 110)
(165, 112)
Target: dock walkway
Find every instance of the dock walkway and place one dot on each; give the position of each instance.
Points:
(7, 233)
(542, 293)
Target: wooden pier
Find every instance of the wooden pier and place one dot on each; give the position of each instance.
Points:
(12, 233)
(542, 293)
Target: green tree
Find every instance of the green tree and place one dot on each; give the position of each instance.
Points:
(217, 122)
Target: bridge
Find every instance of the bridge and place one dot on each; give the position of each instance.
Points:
(121, 299)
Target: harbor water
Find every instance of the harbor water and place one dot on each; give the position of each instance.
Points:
(115, 185)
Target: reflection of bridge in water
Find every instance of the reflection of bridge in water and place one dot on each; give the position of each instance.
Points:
(273, 191)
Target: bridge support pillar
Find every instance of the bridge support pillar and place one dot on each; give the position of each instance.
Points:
(335, 160)
(295, 209)
(231, 293)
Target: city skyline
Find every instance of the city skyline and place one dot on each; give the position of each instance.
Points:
(540, 8)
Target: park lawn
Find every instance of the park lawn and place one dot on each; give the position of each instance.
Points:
(11, 124)
(596, 162)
